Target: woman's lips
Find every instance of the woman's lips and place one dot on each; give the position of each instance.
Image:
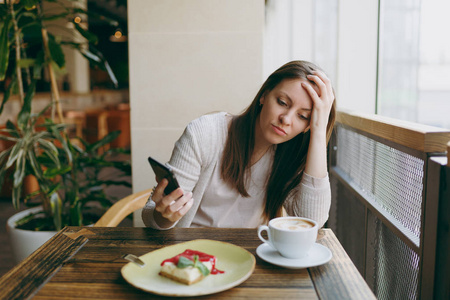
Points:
(278, 130)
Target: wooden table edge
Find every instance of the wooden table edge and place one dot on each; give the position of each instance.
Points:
(29, 276)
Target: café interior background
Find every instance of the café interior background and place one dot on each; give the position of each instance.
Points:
(180, 59)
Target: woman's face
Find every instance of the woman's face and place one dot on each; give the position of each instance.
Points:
(286, 112)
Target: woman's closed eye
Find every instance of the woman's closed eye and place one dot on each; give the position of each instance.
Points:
(281, 102)
(303, 117)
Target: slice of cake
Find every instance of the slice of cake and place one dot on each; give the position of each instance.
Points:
(189, 267)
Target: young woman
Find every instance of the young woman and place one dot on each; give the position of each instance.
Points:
(241, 171)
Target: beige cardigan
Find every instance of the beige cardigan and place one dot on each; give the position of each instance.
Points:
(195, 156)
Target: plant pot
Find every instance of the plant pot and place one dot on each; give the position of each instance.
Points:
(25, 242)
(30, 185)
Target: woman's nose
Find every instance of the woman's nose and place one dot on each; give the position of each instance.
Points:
(284, 119)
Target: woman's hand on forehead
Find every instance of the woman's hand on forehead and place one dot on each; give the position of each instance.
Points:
(322, 97)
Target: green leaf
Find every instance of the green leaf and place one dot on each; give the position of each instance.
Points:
(92, 38)
(76, 217)
(31, 15)
(19, 173)
(104, 141)
(26, 62)
(200, 266)
(38, 136)
(90, 56)
(51, 150)
(56, 51)
(8, 138)
(37, 171)
(16, 193)
(4, 47)
(16, 151)
(184, 262)
(14, 131)
(67, 148)
(38, 64)
(39, 115)
(24, 114)
(96, 57)
(29, 4)
(56, 207)
(3, 156)
(7, 92)
(28, 218)
(31, 196)
(53, 172)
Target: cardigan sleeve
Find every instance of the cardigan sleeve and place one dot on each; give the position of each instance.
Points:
(310, 199)
(190, 156)
(185, 162)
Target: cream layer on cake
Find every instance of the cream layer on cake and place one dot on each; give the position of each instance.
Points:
(186, 275)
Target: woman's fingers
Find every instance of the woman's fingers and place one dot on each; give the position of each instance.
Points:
(178, 208)
(169, 199)
(324, 84)
(322, 96)
(311, 91)
(319, 83)
(173, 206)
(185, 208)
(158, 192)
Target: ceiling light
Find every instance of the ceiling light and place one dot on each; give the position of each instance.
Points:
(118, 36)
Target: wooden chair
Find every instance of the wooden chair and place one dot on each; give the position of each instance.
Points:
(122, 208)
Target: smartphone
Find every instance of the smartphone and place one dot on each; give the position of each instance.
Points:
(161, 172)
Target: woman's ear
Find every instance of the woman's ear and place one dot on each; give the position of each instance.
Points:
(262, 99)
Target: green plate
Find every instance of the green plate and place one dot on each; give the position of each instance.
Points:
(237, 263)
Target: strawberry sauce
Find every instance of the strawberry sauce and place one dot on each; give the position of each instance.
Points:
(189, 254)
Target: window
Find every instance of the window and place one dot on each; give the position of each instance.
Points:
(414, 61)
(325, 36)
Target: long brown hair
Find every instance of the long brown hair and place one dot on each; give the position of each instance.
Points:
(290, 157)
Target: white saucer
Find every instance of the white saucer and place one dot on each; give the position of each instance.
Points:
(318, 255)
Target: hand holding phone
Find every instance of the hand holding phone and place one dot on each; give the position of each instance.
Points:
(169, 208)
(161, 172)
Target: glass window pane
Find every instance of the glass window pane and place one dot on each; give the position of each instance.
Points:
(414, 61)
(325, 36)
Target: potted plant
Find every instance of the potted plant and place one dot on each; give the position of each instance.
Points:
(67, 174)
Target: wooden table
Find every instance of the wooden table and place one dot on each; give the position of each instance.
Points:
(82, 262)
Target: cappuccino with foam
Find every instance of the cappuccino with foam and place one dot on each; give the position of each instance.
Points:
(292, 237)
(292, 224)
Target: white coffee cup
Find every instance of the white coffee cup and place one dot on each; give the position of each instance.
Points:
(292, 237)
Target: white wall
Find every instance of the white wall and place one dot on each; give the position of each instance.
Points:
(187, 58)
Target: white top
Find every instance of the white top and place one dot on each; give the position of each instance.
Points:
(196, 157)
(223, 206)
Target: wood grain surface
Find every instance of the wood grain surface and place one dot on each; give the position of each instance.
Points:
(26, 278)
(94, 271)
(413, 135)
